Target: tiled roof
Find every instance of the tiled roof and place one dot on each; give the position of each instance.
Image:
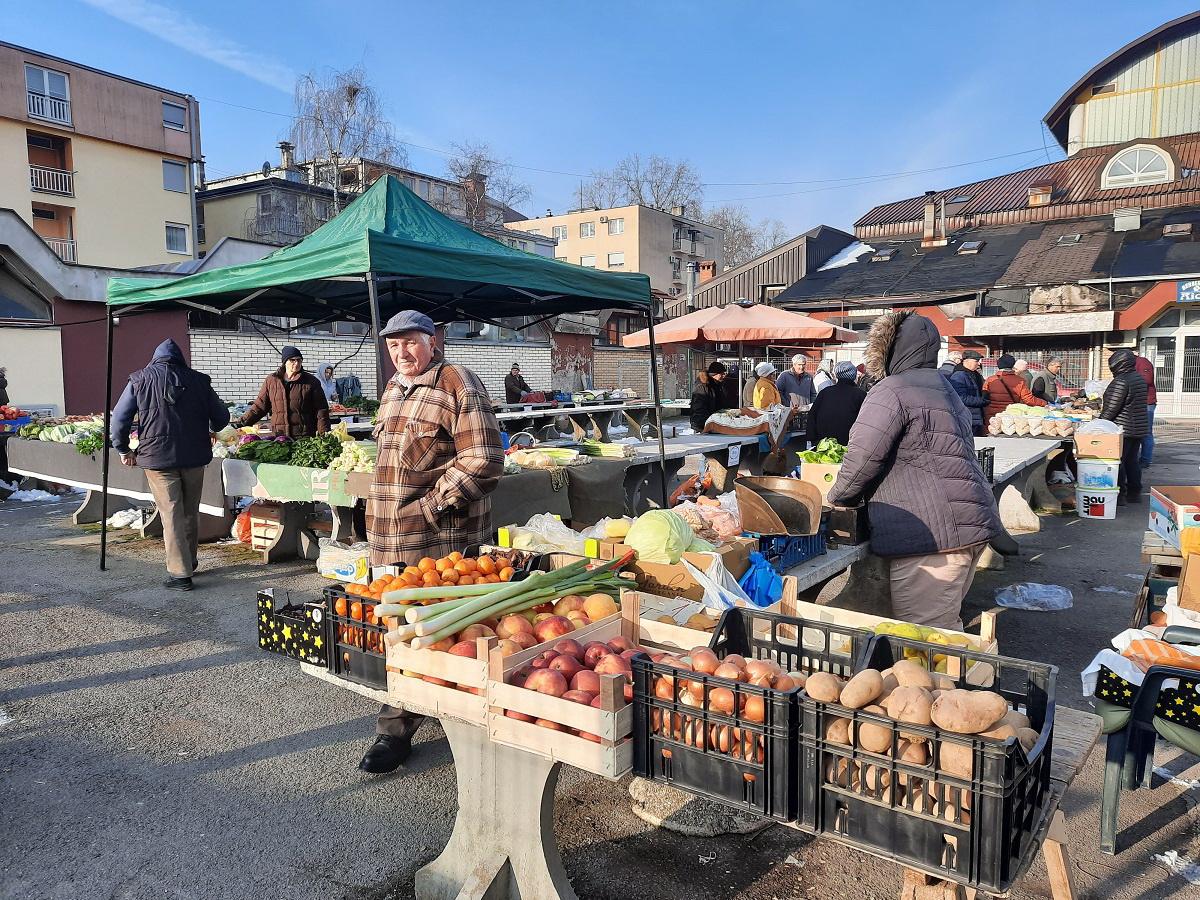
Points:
(1047, 260)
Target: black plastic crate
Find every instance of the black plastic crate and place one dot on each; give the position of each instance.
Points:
(987, 462)
(297, 632)
(982, 829)
(785, 552)
(696, 748)
(356, 648)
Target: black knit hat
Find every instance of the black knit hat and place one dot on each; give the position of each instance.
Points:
(290, 352)
(1007, 361)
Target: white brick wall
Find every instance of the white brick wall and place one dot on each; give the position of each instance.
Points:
(238, 362)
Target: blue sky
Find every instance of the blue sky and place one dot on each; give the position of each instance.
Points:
(753, 94)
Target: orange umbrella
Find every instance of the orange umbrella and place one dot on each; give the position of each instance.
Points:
(755, 324)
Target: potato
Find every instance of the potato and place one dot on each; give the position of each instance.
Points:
(839, 731)
(1028, 738)
(889, 681)
(956, 759)
(910, 674)
(838, 772)
(874, 738)
(943, 682)
(823, 687)
(799, 677)
(862, 689)
(1016, 720)
(1001, 732)
(874, 781)
(968, 712)
(912, 705)
(914, 752)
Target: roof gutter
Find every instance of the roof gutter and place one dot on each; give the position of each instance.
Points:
(1180, 277)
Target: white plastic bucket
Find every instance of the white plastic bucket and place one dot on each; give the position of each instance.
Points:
(1098, 474)
(1095, 504)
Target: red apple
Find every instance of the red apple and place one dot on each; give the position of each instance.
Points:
(541, 617)
(519, 716)
(543, 608)
(578, 619)
(517, 679)
(507, 648)
(593, 651)
(546, 723)
(583, 697)
(550, 655)
(567, 604)
(547, 681)
(631, 653)
(596, 701)
(586, 680)
(443, 645)
(568, 665)
(539, 663)
(619, 644)
(465, 648)
(439, 682)
(552, 627)
(570, 647)
(510, 625)
(524, 639)
(613, 665)
(472, 632)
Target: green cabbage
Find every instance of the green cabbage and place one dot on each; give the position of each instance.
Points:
(660, 536)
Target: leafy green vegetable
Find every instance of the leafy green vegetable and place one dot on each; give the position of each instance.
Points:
(660, 536)
(90, 443)
(827, 452)
(362, 404)
(271, 451)
(316, 452)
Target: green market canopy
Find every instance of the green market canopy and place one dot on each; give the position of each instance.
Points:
(417, 258)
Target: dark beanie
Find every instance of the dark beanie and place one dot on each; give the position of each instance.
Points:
(1007, 361)
(717, 368)
(290, 352)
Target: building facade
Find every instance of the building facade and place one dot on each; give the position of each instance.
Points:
(100, 166)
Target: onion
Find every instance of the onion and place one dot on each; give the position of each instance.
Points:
(721, 699)
(729, 671)
(705, 661)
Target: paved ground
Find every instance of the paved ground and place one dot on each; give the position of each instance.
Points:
(148, 749)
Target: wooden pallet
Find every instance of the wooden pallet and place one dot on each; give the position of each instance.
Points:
(1156, 551)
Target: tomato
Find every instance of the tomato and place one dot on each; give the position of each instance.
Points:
(339, 606)
(356, 610)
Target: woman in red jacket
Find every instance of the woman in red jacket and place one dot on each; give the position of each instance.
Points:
(1006, 387)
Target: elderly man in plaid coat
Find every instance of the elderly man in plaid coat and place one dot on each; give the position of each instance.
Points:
(439, 459)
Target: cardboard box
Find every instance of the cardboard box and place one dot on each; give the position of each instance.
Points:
(1175, 516)
(820, 475)
(1189, 583)
(674, 580)
(1098, 446)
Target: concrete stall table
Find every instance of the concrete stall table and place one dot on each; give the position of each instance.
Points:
(63, 464)
(586, 420)
(1019, 478)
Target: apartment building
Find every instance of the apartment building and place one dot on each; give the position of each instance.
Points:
(100, 166)
(632, 239)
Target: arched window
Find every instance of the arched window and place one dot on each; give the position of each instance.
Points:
(1143, 164)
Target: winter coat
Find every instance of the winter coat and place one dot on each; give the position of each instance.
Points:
(1145, 368)
(297, 409)
(348, 386)
(969, 387)
(176, 410)
(515, 387)
(706, 400)
(766, 394)
(911, 455)
(1125, 396)
(1006, 387)
(3, 388)
(947, 368)
(834, 411)
(1045, 386)
(801, 385)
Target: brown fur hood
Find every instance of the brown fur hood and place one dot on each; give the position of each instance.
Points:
(900, 341)
(879, 342)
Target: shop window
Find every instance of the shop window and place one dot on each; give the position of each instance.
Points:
(1191, 365)
(1169, 319)
(1161, 352)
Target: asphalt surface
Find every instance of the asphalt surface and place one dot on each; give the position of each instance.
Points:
(149, 749)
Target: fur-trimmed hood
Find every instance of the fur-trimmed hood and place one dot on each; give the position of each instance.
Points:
(899, 341)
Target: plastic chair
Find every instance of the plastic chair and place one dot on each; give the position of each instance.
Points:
(1129, 761)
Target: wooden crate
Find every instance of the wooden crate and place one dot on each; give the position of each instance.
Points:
(665, 636)
(612, 722)
(418, 695)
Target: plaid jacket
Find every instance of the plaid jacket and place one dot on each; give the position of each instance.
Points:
(439, 458)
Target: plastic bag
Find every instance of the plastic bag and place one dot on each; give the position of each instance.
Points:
(599, 531)
(544, 533)
(341, 562)
(1036, 597)
(721, 589)
(1099, 426)
(722, 515)
(762, 584)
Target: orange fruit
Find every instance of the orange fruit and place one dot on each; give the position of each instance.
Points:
(487, 565)
(472, 565)
(462, 567)
(442, 564)
(493, 578)
(339, 606)
(356, 609)
(411, 580)
(412, 570)
(467, 579)
(427, 565)
(431, 579)
(451, 576)
(455, 557)
(369, 614)
(506, 573)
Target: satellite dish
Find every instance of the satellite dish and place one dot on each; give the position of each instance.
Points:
(266, 170)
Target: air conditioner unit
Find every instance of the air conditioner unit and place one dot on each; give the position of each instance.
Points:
(603, 219)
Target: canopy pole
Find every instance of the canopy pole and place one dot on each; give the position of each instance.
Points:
(373, 294)
(654, 393)
(107, 447)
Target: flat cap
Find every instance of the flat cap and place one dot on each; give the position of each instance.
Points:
(408, 320)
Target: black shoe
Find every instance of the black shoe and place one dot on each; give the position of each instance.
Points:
(387, 754)
(178, 584)
(1133, 498)
(1121, 501)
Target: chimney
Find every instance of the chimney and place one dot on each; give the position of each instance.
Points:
(933, 231)
(708, 270)
(475, 184)
(680, 211)
(287, 158)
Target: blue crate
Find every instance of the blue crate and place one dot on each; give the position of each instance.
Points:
(10, 426)
(784, 552)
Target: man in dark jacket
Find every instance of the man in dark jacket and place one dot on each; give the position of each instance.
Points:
(176, 410)
(953, 358)
(1145, 368)
(1125, 404)
(834, 411)
(515, 386)
(293, 398)
(1045, 384)
(968, 384)
(707, 395)
(796, 385)
(911, 457)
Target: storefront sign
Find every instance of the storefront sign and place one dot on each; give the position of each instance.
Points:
(1188, 292)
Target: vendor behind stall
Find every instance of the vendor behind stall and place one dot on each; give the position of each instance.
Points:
(293, 398)
(706, 395)
(439, 459)
(515, 386)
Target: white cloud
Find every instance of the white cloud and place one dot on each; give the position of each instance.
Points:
(176, 28)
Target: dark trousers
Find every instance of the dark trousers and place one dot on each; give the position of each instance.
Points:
(1129, 479)
(397, 722)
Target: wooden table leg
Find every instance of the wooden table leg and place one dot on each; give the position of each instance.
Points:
(503, 845)
(1058, 860)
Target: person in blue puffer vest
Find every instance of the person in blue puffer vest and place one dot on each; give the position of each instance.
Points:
(968, 384)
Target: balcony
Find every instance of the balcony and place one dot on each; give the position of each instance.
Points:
(64, 249)
(46, 180)
(49, 108)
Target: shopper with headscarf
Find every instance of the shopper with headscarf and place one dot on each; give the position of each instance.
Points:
(766, 394)
(836, 408)
(328, 382)
(1007, 387)
(911, 457)
(1021, 368)
(1125, 404)
(293, 399)
(823, 379)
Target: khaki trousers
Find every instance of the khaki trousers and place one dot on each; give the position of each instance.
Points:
(929, 590)
(177, 494)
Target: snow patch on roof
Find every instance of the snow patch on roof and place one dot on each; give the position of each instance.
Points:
(847, 256)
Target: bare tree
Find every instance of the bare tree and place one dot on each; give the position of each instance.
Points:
(339, 116)
(488, 185)
(744, 239)
(656, 182)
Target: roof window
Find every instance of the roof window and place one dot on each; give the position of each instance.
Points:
(1143, 164)
(884, 255)
(1065, 240)
(959, 198)
(1177, 229)
(967, 248)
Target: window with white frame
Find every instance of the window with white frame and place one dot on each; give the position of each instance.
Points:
(616, 260)
(587, 229)
(1143, 164)
(562, 259)
(177, 238)
(174, 176)
(49, 94)
(588, 261)
(616, 226)
(559, 232)
(174, 116)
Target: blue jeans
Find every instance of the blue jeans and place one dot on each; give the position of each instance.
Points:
(1148, 440)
